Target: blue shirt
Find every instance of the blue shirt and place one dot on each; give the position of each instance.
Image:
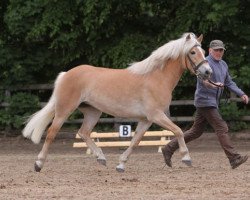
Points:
(209, 97)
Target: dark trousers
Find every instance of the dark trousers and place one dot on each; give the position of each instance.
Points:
(211, 116)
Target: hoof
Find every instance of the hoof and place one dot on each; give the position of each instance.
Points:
(102, 161)
(120, 167)
(187, 162)
(37, 168)
(120, 170)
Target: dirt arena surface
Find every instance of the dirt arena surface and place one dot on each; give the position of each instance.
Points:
(71, 174)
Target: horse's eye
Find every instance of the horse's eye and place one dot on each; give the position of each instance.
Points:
(192, 52)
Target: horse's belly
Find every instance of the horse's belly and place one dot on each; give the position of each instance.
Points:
(120, 109)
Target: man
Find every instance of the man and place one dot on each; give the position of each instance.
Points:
(206, 102)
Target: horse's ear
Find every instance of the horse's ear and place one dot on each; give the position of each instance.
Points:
(188, 37)
(200, 38)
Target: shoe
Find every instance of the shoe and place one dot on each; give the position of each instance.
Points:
(167, 156)
(237, 162)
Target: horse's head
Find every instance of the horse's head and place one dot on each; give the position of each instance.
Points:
(196, 59)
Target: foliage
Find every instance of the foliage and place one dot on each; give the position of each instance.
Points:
(231, 113)
(57, 35)
(116, 56)
(21, 105)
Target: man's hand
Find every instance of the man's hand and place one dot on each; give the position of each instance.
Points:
(245, 98)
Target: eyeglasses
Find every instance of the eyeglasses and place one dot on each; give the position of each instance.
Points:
(220, 50)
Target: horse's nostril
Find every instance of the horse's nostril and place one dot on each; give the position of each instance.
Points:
(207, 72)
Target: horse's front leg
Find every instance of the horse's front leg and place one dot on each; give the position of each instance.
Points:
(162, 120)
(91, 117)
(141, 128)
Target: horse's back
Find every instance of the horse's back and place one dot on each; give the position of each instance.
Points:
(99, 77)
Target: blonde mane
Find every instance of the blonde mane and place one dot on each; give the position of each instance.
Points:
(171, 50)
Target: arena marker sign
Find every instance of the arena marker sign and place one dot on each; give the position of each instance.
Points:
(125, 131)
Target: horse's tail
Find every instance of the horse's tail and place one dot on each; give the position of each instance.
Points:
(38, 122)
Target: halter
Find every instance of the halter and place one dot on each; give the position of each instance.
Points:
(196, 67)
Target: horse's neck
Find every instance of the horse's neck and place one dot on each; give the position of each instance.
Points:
(172, 73)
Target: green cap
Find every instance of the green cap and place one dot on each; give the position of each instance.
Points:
(217, 44)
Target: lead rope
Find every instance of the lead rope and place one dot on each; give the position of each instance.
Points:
(226, 94)
(224, 90)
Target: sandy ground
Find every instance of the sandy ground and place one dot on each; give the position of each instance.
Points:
(71, 174)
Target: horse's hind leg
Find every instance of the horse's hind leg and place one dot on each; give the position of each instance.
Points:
(91, 117)
(62, 111)
(52, 131)
(141, 128)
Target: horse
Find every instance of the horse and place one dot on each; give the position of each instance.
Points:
(142, 91)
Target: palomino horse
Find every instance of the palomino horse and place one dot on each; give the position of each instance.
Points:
(143, 91)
